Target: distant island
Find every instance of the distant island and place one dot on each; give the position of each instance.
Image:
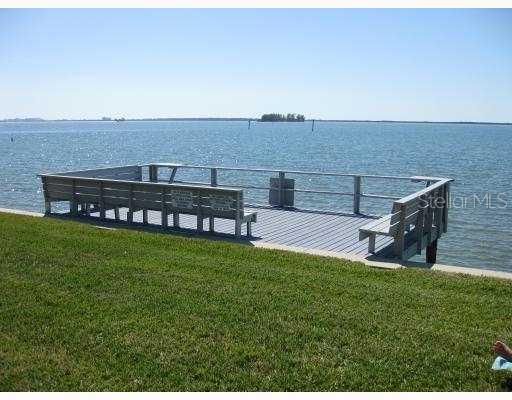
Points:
(282, 118)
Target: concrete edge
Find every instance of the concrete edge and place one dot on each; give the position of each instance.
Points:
(21, 212)
(391, 264)
(369, 261)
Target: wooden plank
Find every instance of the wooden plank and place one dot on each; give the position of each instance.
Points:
(314, 232)
(289, 227)
(55, 195)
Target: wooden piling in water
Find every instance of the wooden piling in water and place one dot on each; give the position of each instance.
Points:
(432, 252)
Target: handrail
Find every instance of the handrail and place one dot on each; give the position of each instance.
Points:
(357, 193)
(295, 172)
(423, 191)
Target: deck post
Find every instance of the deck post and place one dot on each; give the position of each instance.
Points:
(153, 173)
(145, 216)
(281, 189)
(357, 194)
(47, 202)
(213, 177)
(73, 204)
(432, 252)
(213, 183)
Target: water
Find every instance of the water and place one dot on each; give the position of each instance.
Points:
(476, 156)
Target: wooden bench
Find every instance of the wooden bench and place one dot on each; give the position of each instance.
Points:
(390, 225)
(424, 214)
(100, 195)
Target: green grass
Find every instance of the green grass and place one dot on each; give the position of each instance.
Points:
(83, 308)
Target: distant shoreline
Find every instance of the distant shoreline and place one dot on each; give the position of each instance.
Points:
(252, 120)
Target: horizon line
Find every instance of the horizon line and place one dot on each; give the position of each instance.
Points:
(246, 119)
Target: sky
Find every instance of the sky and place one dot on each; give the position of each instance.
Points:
(437, 65)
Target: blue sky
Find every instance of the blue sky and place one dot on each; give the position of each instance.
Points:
(341, 64)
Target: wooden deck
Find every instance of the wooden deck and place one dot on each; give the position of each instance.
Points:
(302, 229)
(413, 223)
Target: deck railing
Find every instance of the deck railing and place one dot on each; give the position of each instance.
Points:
(281, 177)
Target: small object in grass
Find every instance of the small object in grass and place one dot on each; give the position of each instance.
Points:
(501, 349)
(501, 364)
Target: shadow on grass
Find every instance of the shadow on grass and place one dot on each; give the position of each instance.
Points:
(108, 223)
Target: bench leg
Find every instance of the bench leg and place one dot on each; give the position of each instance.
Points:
(212, 224)
(249, 230)
(371, 244)
(116, 213)
(199, 223)
(238, 229)
(145, 217)
(165, 220)
(88, 209)
(176, 220)
(129, 216)
(73, 208)
(47, 207)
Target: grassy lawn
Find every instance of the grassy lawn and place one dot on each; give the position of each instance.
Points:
(83, 308)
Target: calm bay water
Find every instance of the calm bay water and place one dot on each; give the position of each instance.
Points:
(478, 157)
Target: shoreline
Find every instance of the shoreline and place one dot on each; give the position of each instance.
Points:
(371, 261)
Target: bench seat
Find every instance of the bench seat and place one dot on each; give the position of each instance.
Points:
(381, 226)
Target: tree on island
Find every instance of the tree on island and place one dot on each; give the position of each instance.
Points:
(274, 117)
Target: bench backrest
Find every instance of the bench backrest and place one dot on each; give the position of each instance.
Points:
(187, 199)
(416, 205)
(126, 173)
